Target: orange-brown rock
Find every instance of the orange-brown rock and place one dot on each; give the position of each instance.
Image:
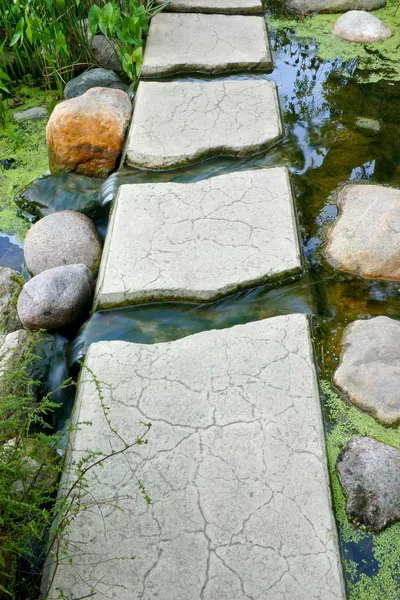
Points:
(86, 134)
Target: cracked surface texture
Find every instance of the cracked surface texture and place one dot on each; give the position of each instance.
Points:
(178, 122)
(235, 467)
(198, 241)
(207, 43)
(216, 6)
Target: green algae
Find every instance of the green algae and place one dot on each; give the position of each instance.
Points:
(347, 422)
(29, 152)
(374, 61)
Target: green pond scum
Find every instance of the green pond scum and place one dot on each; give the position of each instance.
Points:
(374, 61)
(23, 146)
(382, 579)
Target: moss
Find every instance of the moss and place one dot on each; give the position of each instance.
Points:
(30, 155)
(347, 422)
(375, 61)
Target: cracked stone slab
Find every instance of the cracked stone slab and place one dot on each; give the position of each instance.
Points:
(205, 43)
(180, 122)
(198, 241)
(235, 467)
(243, 7)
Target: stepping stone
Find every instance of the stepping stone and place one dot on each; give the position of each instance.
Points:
(180, 122)
(332, 6)
(235, 468)
(369, 370)
(198, 241)
(359, 26)
(364, 240)
(205, 43)
(241, 7)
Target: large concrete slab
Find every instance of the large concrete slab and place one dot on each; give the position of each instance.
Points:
(216, 6)
(205, 43)
(179, 122)
(235, 467)
(198, 241)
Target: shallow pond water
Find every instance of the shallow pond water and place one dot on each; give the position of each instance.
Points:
(324, 148)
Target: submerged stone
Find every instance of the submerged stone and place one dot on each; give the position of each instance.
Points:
(178, 122)
(86, 134)
(35, 113)
(359, 26)
(62, 238)
(205, 43)
(62, 191)
(234, 464)
(369, 370)
(216, 6)
(369, 471)
(56, 298)
(199, 241)
(332, 6)
(365, 238)
(10, 287)
(94, 78)
(367, 126)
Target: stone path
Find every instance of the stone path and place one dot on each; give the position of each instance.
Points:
(179, 122)
(199, 241)
(235, 466)
(235, 462)
(210, 43)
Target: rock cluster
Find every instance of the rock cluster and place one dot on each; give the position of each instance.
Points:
(86, 134)
(359, 26)
(370, 473)
(62, 238)
(94, 78)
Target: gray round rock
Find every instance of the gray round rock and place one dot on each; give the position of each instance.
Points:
(359, 26)
(369, 370)
(369, 471)
(332, 6)
(106, 53)
(56, 298)
(364, 240)
(62, 238)
(94, 78)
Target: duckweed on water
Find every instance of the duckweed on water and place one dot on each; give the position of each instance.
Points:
(374, 61)
(383, 583)
(30, 156)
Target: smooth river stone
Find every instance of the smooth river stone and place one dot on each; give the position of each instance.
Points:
(364, 240)
(369, 370)
(206, 43)
(359, 26)
(179, 122)
(198, 241)
(332, 6)
(235, 466)
(242, 7)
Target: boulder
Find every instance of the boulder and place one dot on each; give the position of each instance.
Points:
(364, 240)
(106, 53)
(86, 134)
(62, 238)
(33, 114)
(10, 287)
(57, 298)
(332, 6)
(63, 191)
(359, 26)
(369, 370)
(94, 78)
(369, 471)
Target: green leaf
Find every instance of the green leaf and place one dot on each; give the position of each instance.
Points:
(28, 29)
(19, 32)
(3, 75)
(137, 56)
(94, 18)
(103, 27)
(107, 11)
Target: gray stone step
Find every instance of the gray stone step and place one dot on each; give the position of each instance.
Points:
(198, 241)
(179, 122)
(205, 43)
(241, 7)
(234, 465)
